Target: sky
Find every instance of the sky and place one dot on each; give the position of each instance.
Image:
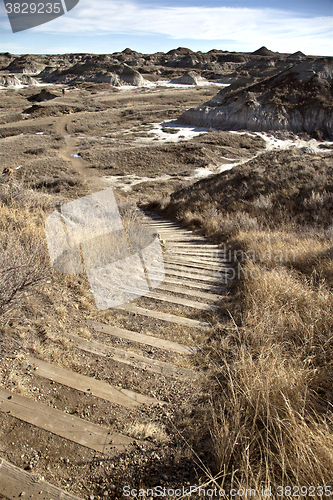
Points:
(106, 26)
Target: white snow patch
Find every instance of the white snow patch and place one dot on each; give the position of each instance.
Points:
(178, 133)
(160, 84)
(126, 182)
(273, 143)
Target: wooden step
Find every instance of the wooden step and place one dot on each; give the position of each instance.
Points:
(141, 338)
(193, 261)
(216, 274)
(194, 240)
(211, 257)
(172, 318)
(195, 265)
(74, 429)
(16, 483)
(165, 233)
(149, 220)
(193, 246)
(155, 295)
(170, 228)
(185, 290)
(197, 252)
(89, 385)
(214, 263)
(173, 299)
(188, 284)
(130, 358)
(181, 273)
(165, 222)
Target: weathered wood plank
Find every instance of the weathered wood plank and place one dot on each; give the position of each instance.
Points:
(199, 252)
(130, 358)
(194, 240)
(74, 429)
(155, 295)
(98, 388)
(204, 257)
(212, 263)
(193, 246)
(181, 272)
(174, 299)
(186, 290)
(188, 284)
(195, 265)
(218, 273)
(15, 481)
(141, 338)
(172, 318)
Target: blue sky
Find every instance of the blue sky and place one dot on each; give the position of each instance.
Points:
(106, 26)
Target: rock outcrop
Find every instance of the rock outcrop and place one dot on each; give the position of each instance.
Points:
(131, 76)
(297, 55)
(43, 95)
(190, 78)
(263, 51)
(16, 81)
(298, 99)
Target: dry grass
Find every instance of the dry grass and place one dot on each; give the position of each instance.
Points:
(149, 430)
(270, 392)
(271, 413)
(23, 255)
(35, 300)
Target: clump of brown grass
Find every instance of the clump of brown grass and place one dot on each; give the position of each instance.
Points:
(264, 426)
(270, 414)
(271, 407)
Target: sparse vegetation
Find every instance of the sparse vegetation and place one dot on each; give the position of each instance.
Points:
(262, 415)
(270, 412)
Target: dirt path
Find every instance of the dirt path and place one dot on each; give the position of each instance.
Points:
(79, 165)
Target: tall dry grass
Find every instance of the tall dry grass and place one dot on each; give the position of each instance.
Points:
(271, 407)
(270, 392)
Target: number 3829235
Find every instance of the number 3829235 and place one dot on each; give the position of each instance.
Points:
(33, 8)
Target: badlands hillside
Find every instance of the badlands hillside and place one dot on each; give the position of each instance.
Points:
(134, 68)
(298, 99)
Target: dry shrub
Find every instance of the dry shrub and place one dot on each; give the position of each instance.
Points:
(309, 252)
(319, 200)
(35, 151)
(15, 194)
(215, 223)
(150, 430)
(289, 310)
(129, 212)
(24, 261)
(263, 202)
(56, 183)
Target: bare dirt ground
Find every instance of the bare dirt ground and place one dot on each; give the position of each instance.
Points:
(115, 134)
